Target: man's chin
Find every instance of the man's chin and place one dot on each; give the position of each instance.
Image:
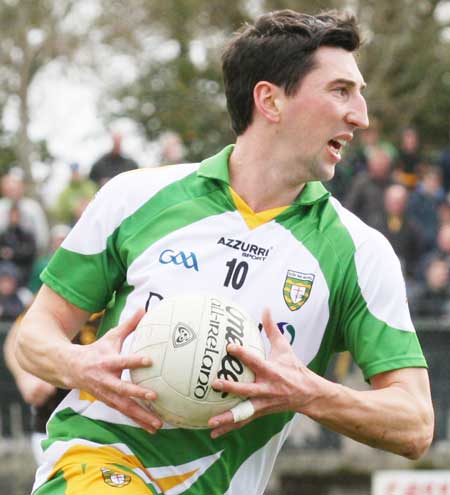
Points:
(326, 172)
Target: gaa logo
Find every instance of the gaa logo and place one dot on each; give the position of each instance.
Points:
(182, 335)
(178, 258)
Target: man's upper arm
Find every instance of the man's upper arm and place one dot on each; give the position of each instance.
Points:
(69, 316)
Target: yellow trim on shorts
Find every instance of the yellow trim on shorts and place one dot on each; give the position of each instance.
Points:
(87, 470)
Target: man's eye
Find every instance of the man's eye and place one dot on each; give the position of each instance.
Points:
(342, 91)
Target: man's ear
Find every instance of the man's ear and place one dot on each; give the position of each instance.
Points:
(268, 100)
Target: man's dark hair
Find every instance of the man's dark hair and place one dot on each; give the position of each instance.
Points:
(279, 49)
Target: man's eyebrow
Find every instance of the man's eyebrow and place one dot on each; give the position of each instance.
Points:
(348, 82)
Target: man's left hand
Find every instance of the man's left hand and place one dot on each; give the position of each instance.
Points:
(282, 382)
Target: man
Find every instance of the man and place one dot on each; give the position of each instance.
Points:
(112, 163)
(294, 96)
(365, 196)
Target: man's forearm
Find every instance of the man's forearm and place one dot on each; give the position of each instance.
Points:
(391, 418)
(42, 347)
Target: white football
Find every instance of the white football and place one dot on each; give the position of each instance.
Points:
(186, 338)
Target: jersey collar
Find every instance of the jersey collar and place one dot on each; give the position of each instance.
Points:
(216, 167)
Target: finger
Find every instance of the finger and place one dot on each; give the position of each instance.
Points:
(142, 416)
(245, 389)
(229, 426)
(128, 326)
(249, 357)
(132, 361)
(242, 411)
(273, 333)
(128, 389)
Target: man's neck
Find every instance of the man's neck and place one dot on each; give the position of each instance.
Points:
(259, 176)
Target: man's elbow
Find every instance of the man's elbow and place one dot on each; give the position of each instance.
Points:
(20, 348)
(421, 439)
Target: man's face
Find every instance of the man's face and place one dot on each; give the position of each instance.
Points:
(321, 117)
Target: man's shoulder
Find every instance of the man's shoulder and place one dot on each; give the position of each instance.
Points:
(150, 177)
(129, 191)
(356, 229)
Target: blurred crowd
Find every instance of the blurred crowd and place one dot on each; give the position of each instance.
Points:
(400, 190)
(395, 187)
(30, 233)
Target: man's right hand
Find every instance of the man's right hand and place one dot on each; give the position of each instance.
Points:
(96, 369)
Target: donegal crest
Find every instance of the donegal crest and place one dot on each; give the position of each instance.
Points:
(297, 288)
(113, 478)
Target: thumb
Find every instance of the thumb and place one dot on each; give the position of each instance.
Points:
(128, 326)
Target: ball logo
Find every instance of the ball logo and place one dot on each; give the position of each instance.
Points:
(182, 335)
(232, 368)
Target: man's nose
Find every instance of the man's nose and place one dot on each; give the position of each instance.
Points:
(357, 115)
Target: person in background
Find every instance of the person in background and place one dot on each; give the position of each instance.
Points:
(112, 163)
(18, 245)
(424, 203)
(441, 250)
(14, 298)
(403, 233)
(41, 396)
(432, 299)
(367, 140)
(365, 197)
(172, 149)
(444, 211)
(407, 165)
(444, 165)
(32, 216)
(75, 197)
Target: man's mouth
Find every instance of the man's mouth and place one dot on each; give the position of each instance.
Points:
(336, 146)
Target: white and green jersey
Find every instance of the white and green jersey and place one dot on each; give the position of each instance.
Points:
(331, 283)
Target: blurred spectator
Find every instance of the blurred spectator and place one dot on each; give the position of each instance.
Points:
(409, 158)
(32, 216)
(40, 395)
(13, 298)
(75, 197)
(404, 235)
(444, 212)
(366, 140)
(366, 195)
(444, 164)
(112, 163)
(57, 234)
(424, 205)
(17, 245)
(441, 251)
(433, 298)
(172, 149)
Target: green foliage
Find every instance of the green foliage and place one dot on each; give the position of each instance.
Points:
(405, 61)
(33, 34)
(180, 94)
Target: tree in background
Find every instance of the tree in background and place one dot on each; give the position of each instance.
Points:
(179, 86)
(406, 61)
(33, 34)
(172, 52)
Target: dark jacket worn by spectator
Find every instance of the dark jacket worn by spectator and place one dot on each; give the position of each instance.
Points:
(12, 298)
(18, 246)
(366, 195)
(111, 164)
(423, 206)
